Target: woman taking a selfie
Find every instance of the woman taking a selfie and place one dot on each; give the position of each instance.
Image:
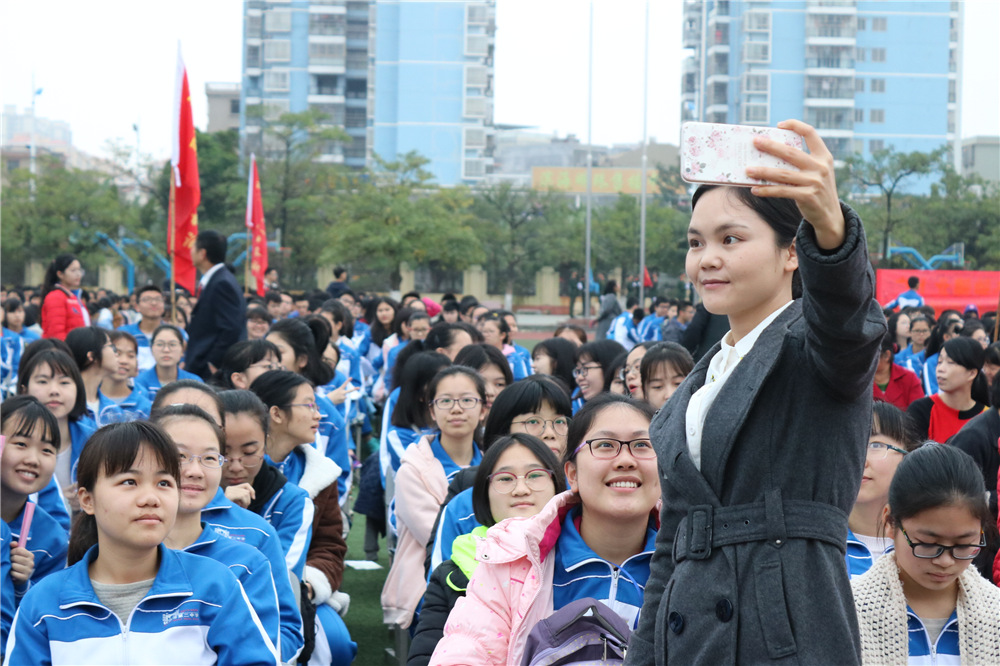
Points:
(762, 448)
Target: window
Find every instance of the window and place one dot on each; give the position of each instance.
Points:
(757, 21)
(860, 54)
(755, 113)
(875, 145)
(475, 137)
(756, 83)
(278, 21)
(859, 85)
(475, 107)
(952, 91)
(326, 24)
(756, 52)
(951, 121)
(273, 108)
(253, 56)
(327, 53)
(275, 80)
(277, 50)
(476, 45)
(859, 115)
(861, 26)
(878, 55)
(253, 27)
(234, 106)
(475, 76)
(876, 116)
(879, 24)
(858, 146)
(878, 85)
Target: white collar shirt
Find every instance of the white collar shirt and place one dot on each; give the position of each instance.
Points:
(203, 282)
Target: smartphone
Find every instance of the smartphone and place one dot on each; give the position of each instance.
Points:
(719, 154)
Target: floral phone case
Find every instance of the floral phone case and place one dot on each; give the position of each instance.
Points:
(719, 154)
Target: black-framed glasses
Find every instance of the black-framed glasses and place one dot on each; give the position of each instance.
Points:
(930, 551)
(880, 450)
(208, 461)
(536, 426)
(535, 479)
(114, 349)
(249, 460)
(606, 448)
(583, 370)
(448, 403)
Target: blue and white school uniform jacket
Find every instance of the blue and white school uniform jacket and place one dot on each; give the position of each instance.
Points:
(912, 361)
(623, 331)
(519, 361)
(579, 572)
(7, 604)
(649, 328)
(51, 499)
(133, 407)
(385, 462)
(457, 518)
(929, 375)
(148, 383)
(858, 557)
(577, 400)
(333, 440)
(350, 360)
(944, 651)
(290, 511)
(253, 571)
(390, 363)
(362, 337)
(48, 542)
(195, 613)
(11, 349)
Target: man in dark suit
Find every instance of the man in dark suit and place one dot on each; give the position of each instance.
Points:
(219, 317)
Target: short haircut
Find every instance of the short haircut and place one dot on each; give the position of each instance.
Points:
(214, 244)
(162, 398)
(58, 361)
(481, 484)
(912, 282)
(272, 296)
(479, 355)
(522, 397)
(584, 419)
(147, 287)
(258, 313)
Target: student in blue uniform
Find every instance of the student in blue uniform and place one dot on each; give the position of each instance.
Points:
(151, 305)
(593, 364)
(97, 358)
(923, 603)
(168, 345)
(119, 400)
(29, 459)
(126, 597)
(200, 441)
(7, 606)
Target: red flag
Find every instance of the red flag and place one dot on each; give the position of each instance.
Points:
(647, 281)
(186, 194)
(256, 231)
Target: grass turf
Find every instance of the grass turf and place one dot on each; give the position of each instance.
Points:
(364, 618)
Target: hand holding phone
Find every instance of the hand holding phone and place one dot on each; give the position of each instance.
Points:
(719, 154)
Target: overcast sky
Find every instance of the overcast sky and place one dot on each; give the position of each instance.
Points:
(106, 64)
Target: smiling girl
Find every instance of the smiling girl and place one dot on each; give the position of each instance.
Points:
(961, 391)
(663, 370)
(923, 603)
(127, 597)
(762, 448)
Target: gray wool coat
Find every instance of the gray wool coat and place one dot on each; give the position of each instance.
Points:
(749, 564)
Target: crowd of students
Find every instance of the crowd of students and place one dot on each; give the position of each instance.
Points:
(778, 497)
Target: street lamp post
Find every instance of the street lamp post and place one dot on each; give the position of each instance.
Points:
(32, 150)
(590, 162)
(645, 143)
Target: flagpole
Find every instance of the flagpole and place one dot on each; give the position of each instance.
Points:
(246, 268)
(172, 242)
(645, 145)
(248, 223)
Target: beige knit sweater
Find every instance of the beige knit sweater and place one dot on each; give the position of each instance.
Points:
(881, 606)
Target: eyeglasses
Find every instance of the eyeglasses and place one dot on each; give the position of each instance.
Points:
(264, 365)
(151, 301)
(930, 551)
(536, 479)
(208, 461)
(113, 348)
(607, 448)
(534, 426)
(583, 370)
(311, 405)
(249, 461)
(880, 450)
(172, 346)
(626, 371)
(448, 403)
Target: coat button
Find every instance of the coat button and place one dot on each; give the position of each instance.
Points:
(676, 622)
(724, 610)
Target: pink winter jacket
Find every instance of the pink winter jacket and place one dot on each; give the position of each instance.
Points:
(421, 486)
(509, 593)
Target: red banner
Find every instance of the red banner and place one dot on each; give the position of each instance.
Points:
(256, 231)
(943, 290)
(186, 188)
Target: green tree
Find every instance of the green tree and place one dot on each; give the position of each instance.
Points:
(885, 172)
(393, 214)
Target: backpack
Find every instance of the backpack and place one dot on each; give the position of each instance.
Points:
(583, 632)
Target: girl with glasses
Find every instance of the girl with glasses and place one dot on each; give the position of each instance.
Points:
(167, 343)
(305, 511)
(517, 478)
(199, 439)
(891, 439)
(127, 598)
(246, 361)
(593, 362)
(456, 396)
(763, 446)
(97, 358)
(923, 602)
(594, 540)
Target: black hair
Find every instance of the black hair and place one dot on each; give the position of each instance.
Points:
(664, 353)
(943, 327)
(58, 361)
(937, 475)
(147, 287)
(584, 419)
(401, 317)
(609, 287)
(891, 421)
(612, 371)
(167, 327)
(993, 354)
(782, 215)
(522, 397)
(579, 331)
(473, 332)
(995, 391)
(272, 296)
(496, 317)
(561, 352)
(276, 388)
(969, 354)
(241, 356)
(259, 313)
(970, 326)
(449, 306)
(442, 335)
(161, 400)
(214, 244)
(481, 484)
(321, 329)
(417, 315)
(118, 335)
(58, 265)
(188, 411)
(479, 355)
(29, 412)
(410, 294)
(411, 407)
(112, 450)
(602, 352)
(888, 343)
(341, 314)
(894, 321)
(239, 401)
(317, 299)
(452, 371)
(85, 340)
(379, 331)
(301, 338)
(912, 281)
(339, 272)
(12, 304)
(40, 345)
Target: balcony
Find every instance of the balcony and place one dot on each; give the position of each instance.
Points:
(830, 66)
(832, 7)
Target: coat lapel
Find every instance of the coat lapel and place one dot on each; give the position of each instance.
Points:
(733, 403)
